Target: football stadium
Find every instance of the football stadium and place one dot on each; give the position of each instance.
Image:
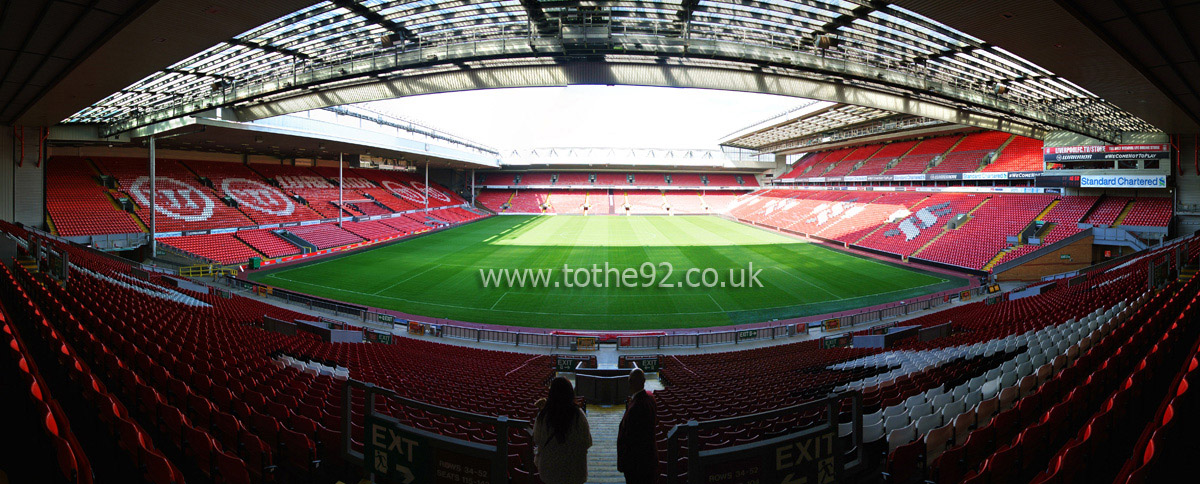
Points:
(568, 242)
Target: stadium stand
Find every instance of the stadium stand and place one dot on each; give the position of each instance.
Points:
(526, 201)
(218, 248)
(317, 192)
(325, 236)
(980, 239)
(262, 203)
(266, 242)
(78, 205)
(852, 160)
(571, 201)
(184, 204)
(1063, 221)
(644, 201)
(371, 230)
(684, 201)
(612, 179)
(719, 201)
(495, 200)
(535, 178)
(881, 158)
(230, 393)
(49, 433)
(573, 178)
(1149, 212)
(649, 179)
(802, 166)
(943, 409)
(969, 154)
(1108, 210)
(917, 160)
(692, 180)
(927, 222)
(1021, 154)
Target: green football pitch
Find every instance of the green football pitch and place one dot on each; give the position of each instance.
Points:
(688, 271)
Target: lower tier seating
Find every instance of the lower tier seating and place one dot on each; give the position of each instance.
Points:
(219, 248)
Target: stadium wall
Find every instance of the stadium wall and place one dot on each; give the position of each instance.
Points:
(22, 184)
(1074, 256)
(7, 166)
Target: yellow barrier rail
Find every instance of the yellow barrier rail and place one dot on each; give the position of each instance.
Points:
(203, 270)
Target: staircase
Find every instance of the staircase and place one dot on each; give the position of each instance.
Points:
(31, 265)
(1187, 273)
(942, 157)
(508, 203)
(602, 457)
(1124, 213)
(944, 230)
(996, 260)
(1048, 209)
(304, 245)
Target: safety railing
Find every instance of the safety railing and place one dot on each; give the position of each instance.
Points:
(813, 449)
(407, 454)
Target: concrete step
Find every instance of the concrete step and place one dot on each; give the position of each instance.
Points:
(602, 457)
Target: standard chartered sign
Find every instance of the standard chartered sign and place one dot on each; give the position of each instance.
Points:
(1123, 181)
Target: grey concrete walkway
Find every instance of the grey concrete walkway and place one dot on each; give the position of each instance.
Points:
(688, 350)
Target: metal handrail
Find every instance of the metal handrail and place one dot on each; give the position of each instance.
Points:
(690, 429)
(501, 423)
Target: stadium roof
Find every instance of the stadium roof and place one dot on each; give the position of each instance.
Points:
(342, 51)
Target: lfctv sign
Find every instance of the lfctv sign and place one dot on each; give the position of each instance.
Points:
(1123, 181)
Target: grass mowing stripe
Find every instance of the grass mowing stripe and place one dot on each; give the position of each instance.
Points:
(438, 275)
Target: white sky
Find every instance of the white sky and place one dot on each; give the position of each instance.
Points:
(590, 116)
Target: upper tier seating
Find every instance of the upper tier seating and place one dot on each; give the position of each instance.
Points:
(262, 203)
(611, 179)
(970, 152)
(316, 191)
(690, 180)
(1021, 154)
(573, 178)
(535, 178)
(182, 203)
(649, 179)
(851, 161)
(78, 205)
(1105, 214)
(917, 160)
(802, 166)
(880, 159)
(219, 248)
(825, 164)
(1152, 212)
